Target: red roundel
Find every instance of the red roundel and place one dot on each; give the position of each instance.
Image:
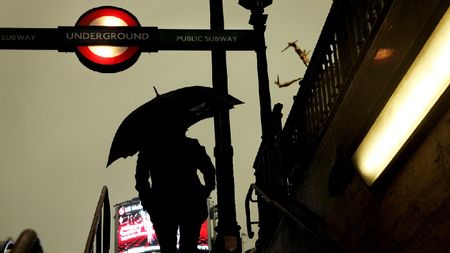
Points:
(107, 58)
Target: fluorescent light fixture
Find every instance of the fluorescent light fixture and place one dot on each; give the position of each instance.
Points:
(425, 81)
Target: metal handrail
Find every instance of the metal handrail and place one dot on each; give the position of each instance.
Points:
(301, 222)
(285, 212)
(269, 176)
(345, 38)
(284, 155)
(269, 171)
(100, 225)
(249, 222)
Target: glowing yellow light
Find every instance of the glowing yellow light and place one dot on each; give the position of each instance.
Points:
(108, 21)
(108, 51)
(426, 80)
(384, 53)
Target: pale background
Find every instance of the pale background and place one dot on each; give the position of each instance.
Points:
(58, 118)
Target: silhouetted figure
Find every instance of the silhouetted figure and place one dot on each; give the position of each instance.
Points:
(171, 191)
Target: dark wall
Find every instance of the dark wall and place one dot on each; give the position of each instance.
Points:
(408, 214)
(408, 210)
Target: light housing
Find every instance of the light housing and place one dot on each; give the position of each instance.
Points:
(424, 83)
(253, 4)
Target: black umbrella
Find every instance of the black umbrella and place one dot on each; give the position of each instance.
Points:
(175, 110)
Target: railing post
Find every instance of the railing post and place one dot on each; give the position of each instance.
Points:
(106, 224)
(98, 236)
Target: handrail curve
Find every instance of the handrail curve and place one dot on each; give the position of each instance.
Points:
(100, 225)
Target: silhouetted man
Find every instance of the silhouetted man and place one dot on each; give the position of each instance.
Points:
(171, 191)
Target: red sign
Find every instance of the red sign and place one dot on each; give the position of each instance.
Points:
(106, 58)
(135, 233)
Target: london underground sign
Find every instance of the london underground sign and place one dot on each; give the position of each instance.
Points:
(109, 39)
(107, 58)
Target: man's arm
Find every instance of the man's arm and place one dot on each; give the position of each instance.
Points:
(207, 168)
(142, 177)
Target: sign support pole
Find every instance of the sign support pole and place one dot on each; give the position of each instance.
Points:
(258, 20)
(228, 236)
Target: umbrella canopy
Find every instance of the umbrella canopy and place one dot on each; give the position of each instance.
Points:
(166, 114)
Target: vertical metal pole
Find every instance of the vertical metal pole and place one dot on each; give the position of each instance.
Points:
(258, 20)
(228, 239)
